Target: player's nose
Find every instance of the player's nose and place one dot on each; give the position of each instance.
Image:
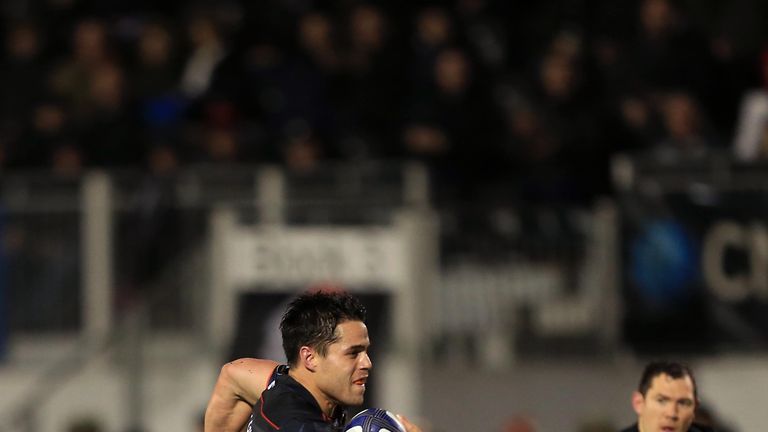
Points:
(365, 361)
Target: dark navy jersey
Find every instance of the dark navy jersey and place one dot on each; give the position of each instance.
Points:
(289, 407)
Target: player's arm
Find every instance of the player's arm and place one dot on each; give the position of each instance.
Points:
(238, 387)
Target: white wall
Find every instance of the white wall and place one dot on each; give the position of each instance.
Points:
(738, 387)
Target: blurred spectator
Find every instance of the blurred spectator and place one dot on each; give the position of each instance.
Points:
(163, 161)
(368, 35)
(667, 52)
(317, 42)
(374, 82)
(553, 130)
(207, 49)
(637, 123)
(215, 136)
(434, 31)
(454, 128)
(264, 77)
(156, 68)
(67, 160)
(686, 133)
(73, 76)
(274, 85)
(486, 32)
(751, 140)
(302, 151)
(47, 132)
(22, 77)
(313, 76)
(736, 35)
(736, 27)
(221, 146)
(107, 126)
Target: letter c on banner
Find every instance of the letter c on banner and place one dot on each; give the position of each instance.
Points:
(731, 288)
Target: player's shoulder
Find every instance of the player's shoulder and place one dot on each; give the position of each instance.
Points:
(284, 394)
(278, 375)
(264, 367)
(250, 369)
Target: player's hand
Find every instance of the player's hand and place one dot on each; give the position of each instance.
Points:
(409, 427)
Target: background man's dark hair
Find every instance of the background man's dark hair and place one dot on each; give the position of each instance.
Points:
(673, 369)
(311, 320)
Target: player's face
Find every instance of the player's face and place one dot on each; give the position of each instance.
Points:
(343, 371)
(668, 405)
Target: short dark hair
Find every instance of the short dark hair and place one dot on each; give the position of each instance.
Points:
(673, 369)
(311, 320)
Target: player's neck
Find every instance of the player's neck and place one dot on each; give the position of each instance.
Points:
(304, 377)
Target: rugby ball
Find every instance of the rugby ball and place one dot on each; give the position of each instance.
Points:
(374, 420)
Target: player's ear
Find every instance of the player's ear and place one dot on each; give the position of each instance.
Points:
(308, 358)
(638, 402)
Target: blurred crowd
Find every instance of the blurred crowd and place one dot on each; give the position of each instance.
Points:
(498, 98)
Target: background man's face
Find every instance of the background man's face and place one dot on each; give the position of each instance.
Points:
(668, 405)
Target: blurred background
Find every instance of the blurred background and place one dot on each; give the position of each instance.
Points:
(532, 198)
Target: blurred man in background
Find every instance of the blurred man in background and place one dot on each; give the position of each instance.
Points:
(666, 399)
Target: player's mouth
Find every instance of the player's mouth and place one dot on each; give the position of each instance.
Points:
(360, 381)
(668, 429)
